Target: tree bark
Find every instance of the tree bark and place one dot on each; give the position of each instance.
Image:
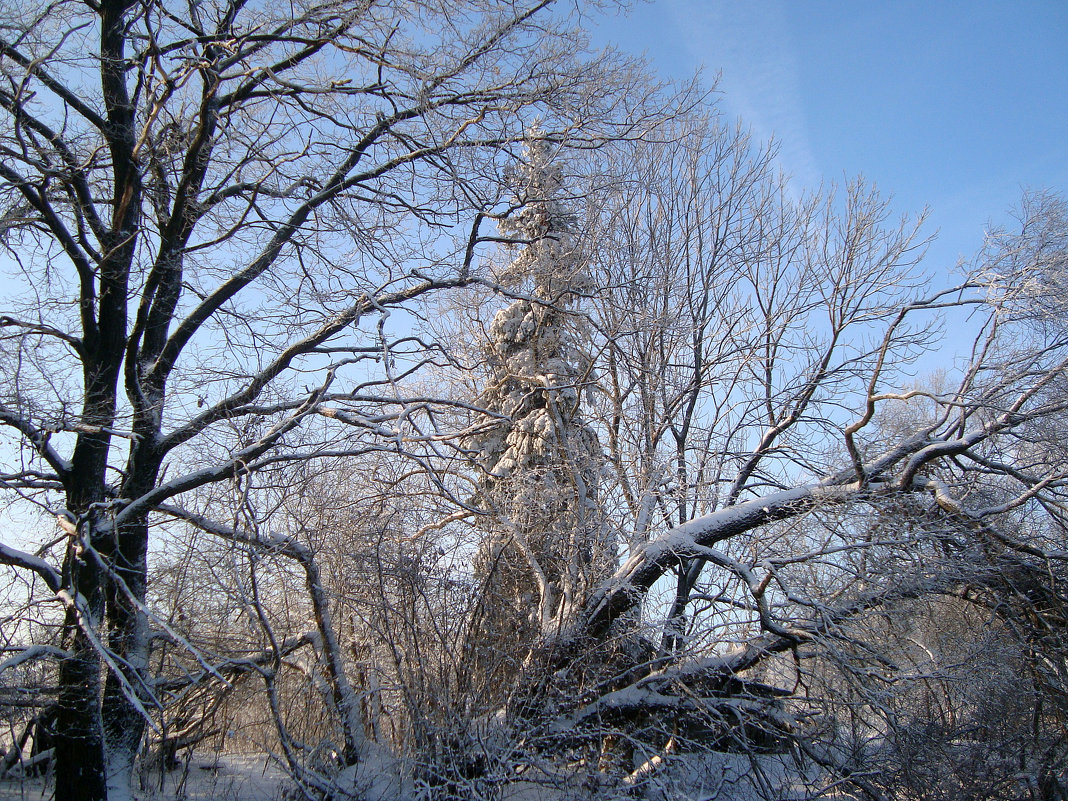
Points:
(81, 768)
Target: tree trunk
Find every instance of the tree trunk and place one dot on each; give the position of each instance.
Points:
(81, 767)
(124, 724)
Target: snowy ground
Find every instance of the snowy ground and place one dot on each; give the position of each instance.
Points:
(209, 777)
(234, 777)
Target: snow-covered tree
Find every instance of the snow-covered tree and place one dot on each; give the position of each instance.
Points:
(540, 461)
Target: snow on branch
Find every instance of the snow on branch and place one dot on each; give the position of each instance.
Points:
(693, 538)
(17, 558)
(31, 653)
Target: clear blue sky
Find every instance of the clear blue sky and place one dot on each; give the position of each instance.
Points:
(957, 106)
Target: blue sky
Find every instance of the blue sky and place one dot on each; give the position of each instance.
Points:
(955, 106)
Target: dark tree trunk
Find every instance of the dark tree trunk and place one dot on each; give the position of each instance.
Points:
(87, 731)
(81, 767)
(81, 773)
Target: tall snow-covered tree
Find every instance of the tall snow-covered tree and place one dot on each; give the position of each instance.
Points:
(540, 460)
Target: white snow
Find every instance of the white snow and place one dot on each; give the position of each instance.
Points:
(206, 777)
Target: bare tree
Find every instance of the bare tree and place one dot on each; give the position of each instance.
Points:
(210, 213)
(758, 380)
(773, 458)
